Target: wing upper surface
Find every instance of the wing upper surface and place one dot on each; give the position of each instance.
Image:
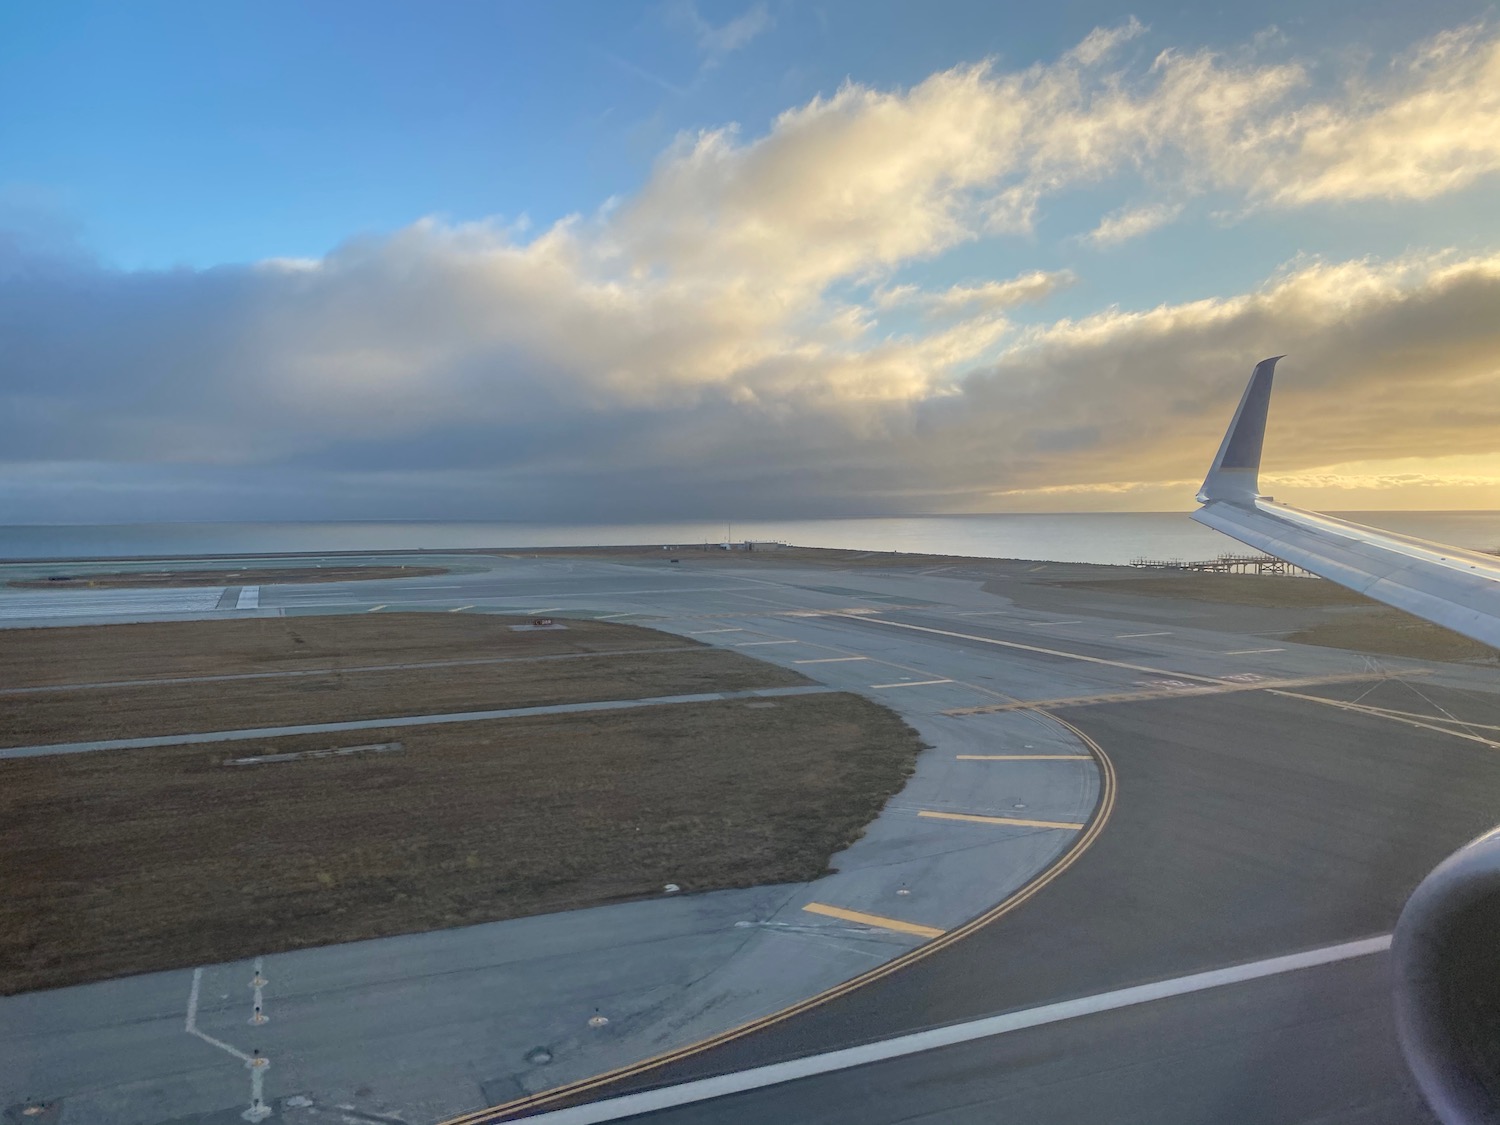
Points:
(1456, 588)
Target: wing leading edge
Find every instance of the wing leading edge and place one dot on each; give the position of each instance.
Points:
(1450, 586)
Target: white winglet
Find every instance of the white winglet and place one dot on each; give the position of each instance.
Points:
(1455, 588)
(1235, 473)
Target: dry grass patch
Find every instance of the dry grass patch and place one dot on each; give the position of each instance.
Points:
(128, 861)
(1390, 632)
(94, 653)
(256, 576)
(176, 708)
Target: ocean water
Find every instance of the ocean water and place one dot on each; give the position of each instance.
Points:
(1102, 537)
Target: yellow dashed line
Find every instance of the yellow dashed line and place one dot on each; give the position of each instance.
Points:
(1023, 758)
(1013, 821)
(1108, 790)
(874, 920)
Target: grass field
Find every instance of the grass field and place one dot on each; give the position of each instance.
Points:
(1362, 624)
(186, 708)
(128, 861)
(1383, 631)
(93, 654)
(250, 576)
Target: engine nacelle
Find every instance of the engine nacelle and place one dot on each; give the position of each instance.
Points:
(1446, 959)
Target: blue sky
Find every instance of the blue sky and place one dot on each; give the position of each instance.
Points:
(153, 154)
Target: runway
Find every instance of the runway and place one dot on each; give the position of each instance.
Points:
(1248, 824)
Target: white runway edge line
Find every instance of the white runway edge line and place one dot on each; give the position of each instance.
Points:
(688, 1093)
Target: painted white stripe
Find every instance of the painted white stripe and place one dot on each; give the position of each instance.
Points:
(756, 644)
(705, 632)
(1049, 624)
(909, 683)
(689, 1093)
(612, 616)
(831, 660)
(375, 608)
(460, 609)
(1252, 651)
(249, 598)
(1123, 636)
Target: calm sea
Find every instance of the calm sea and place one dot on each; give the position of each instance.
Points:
(1115, 537)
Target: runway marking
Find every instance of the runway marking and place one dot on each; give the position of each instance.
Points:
(1183, 690)
(1416, 715)
(1049, 624)
(705, 632)
(1015, 822)
(909, 683)
(1108, 791)
(1034, 569)
(755, 644)
(831, 660)
(375, 608)
(256, 1063)
(1032, 648)
(1022, 758)
(875, 920)
(1392, 717)
(1252, 651)
(249, 598)
(460, 609)
(775, 1074)
(611, 616)
(1125, 636)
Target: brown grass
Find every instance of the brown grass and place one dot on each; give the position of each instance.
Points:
(128, 861)
(1371, 627)
(261, 576)
(1389, 632)
(94, 653)
(161, 709)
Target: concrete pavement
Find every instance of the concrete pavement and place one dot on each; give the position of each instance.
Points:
(1238, 832)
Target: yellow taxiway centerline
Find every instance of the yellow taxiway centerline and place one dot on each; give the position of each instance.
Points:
(1108, 791)
(1023, 758)
(1015, 822)
(874, 920)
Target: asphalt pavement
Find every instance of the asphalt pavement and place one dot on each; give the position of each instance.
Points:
(1247, 823)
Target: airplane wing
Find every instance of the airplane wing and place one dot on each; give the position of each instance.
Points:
(1455, 588)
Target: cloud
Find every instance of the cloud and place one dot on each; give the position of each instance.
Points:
(1429, 125)
(985, 297)
(1132, 222)
(717, 41)
(714, 343)
(1105, 41)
